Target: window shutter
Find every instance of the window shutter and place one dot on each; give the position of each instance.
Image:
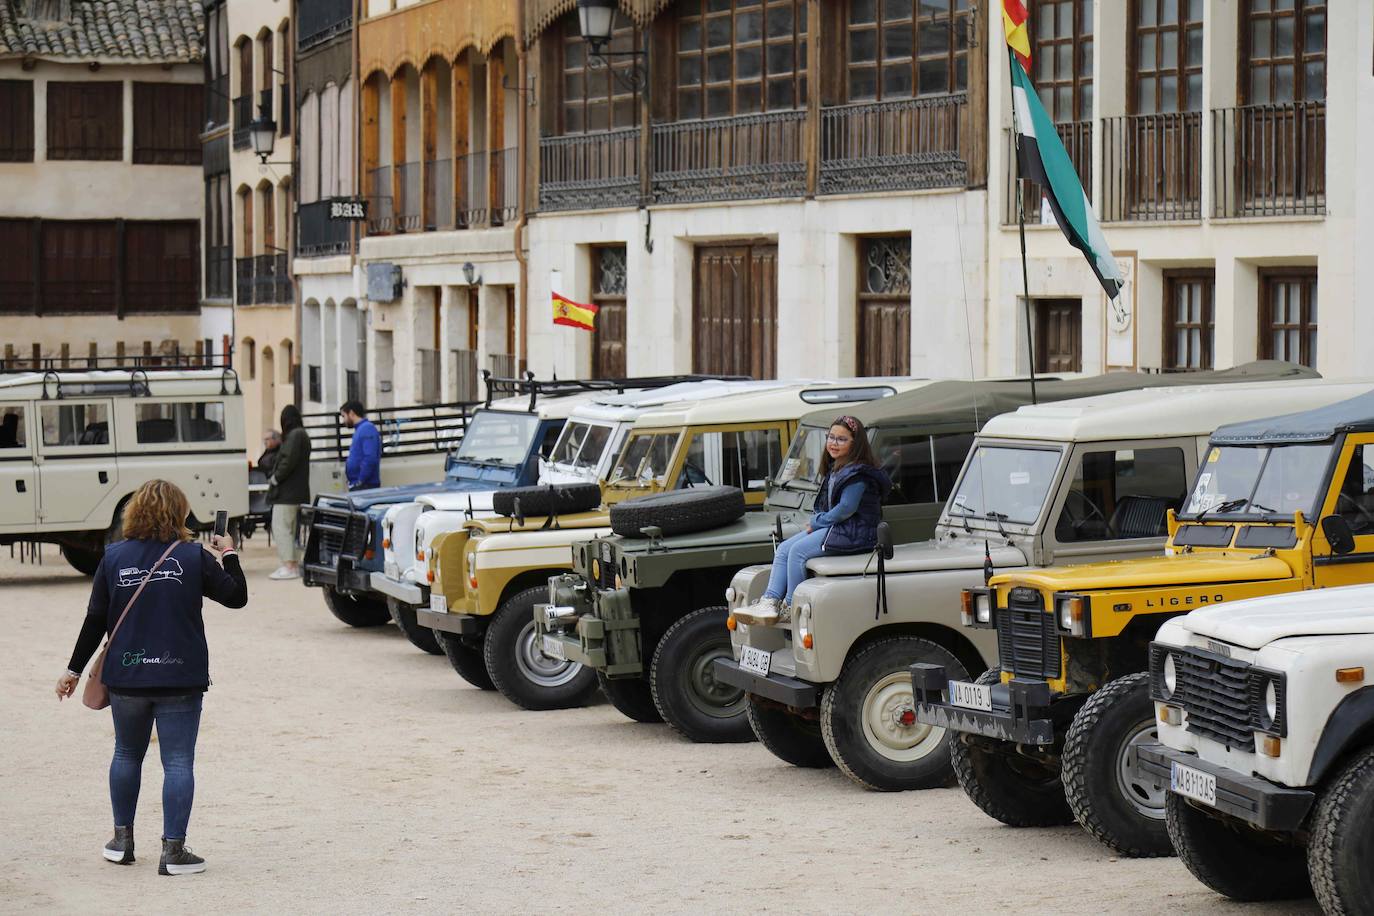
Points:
(16, 120)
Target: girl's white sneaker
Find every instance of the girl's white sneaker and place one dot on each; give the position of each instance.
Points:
(762, 613)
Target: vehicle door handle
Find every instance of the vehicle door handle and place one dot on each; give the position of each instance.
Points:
(104, 476)
(20, 486)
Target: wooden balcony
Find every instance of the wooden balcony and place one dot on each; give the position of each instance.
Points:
(585, 171)
(889, 146)
(747, 156)
(1152, 167)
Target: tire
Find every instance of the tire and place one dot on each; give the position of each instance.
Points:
(82, 560)
(354, 611)
(791, 738)
(466, 659)
(422, 638)
(678, 511)
(869, 723)
(630, 695)
(1107, 798)
(1341, 846)
(1008, 786)
(562, 499)
(685, 690)
(1234, 859)
(525, 675)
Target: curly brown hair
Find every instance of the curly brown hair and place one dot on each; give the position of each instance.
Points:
(157, 512)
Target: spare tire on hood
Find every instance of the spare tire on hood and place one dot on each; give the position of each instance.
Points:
(679, 511)
(549, 499)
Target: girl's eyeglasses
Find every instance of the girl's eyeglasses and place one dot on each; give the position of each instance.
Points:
(838, 440)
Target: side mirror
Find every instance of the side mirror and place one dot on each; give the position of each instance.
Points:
(1337, 531)
(885, 540)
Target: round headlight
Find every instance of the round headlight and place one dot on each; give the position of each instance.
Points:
(1271, 702)
(730, 595)
(1170, 675)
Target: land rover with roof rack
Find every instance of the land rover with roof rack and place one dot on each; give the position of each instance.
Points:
(715, 454)
(1266, 726)
(831, 685)
(501, 447)
(1054, 733)
(76, 444)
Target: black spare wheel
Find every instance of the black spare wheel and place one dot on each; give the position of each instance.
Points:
(678, 512)
(551, 499)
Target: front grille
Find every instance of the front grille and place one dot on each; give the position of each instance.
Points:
(1221, 697)
(1027, 639)
(338, 532)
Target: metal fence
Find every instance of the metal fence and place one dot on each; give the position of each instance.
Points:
(1077, 137)
(380, 211)
(263, 279)
(505, 185)
(1152, 166)
(417, 430)
(472, 196)
(410, 190)
(747, 156)
(438, 205)
(1269, 160)
(898, 145)
(463, 377)
(589, 170)
(502, 365)
(317, 234)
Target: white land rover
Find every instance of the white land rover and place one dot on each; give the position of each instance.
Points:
(75, 445)
(1266, 731)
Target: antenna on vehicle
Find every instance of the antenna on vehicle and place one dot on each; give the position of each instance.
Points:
(470, 512)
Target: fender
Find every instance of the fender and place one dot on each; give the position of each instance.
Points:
(1352, 717)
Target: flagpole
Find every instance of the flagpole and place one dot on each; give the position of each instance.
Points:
(1021, 227)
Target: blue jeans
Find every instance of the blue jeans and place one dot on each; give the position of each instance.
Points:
(178, 723)
(789, 563)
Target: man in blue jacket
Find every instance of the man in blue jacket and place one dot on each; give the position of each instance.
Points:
(364, 467)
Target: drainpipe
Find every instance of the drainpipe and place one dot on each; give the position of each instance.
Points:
(522, 128)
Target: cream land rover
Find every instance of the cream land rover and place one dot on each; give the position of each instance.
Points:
(74, 446)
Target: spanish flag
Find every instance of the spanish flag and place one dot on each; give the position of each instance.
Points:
(574, 314)
(1018, 33)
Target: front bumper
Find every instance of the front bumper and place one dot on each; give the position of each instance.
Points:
(603, 635)
(404, 592)
(780, 688)
(461, 624)
(1255, 801)
(1020, 710)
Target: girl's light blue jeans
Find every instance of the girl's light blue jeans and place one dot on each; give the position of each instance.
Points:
(789, 563)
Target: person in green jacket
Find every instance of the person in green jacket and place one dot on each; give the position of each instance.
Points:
(288, 487)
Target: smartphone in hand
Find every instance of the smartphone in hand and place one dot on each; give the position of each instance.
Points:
(221, 523)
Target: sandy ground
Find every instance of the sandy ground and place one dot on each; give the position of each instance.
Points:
(342, 770)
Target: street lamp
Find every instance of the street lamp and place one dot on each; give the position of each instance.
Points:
(263, 132)
(597, 20)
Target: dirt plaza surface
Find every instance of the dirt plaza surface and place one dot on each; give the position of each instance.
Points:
(344, 771)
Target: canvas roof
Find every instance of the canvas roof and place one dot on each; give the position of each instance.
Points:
(1321, 424)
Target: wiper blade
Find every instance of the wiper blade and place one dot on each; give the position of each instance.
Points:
(1229, 505)
(999, 518)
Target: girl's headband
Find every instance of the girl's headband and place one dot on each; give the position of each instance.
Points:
(848, 423)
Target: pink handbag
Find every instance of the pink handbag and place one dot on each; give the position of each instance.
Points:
(95, 695)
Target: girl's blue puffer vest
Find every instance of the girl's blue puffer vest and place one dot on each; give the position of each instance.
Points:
(859, 532)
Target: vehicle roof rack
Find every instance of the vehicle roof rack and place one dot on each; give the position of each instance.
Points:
(57, 383)
(557, 388)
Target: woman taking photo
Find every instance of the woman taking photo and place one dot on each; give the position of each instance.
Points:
(156, 666)
(844, 519)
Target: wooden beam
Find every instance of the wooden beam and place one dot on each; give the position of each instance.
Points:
(496, 127)
(811, 135)
(459, 128)
(372, 135)
(398, 146)
(429, 140)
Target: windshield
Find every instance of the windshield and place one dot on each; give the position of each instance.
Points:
(1260, 481)
(580, 445)
(803, 464)
(497, 437)
(646, 457)
(1005, 484)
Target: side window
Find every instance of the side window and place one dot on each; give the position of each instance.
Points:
(550, 439)
(1122, 494)
(12, 430)
(75, 424)
(694, 465)
(923, 469)
(750, 457)
(179, 422)
(1356, 501)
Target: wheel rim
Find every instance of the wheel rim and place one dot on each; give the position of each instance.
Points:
(889, 724)
(1144, 796)
(708, 695)
(537, 667)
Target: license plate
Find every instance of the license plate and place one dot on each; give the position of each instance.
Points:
(392, 570)
(755, 660)
(554, 648)
(438, 603)
(1195, 784)
(970, 696)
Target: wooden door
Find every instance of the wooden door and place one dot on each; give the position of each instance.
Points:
(608, 294)
(1059, 335)
(735, 309)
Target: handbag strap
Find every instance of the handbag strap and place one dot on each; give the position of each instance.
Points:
(146, 579)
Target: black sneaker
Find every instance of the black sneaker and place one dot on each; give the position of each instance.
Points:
(120, 850)
(178, 860)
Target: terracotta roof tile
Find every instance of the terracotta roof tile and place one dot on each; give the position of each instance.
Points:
(153, 31)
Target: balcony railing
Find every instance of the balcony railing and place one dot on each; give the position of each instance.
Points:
(471, 198)
(585, 171)
(409, 188)
(243, 116)
(217, 100)
(243, 281)
(263, 279)
(317, 21)
(219, 272)
(502, 365)
(316, 234)
(439, 194)
(747, 156)
(890, 146)
(1269, 160)
(1077, 137)
(505, 185)
(463, 384)
(381, 217)
(1152, 166)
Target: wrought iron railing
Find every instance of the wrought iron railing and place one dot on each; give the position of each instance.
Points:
(1152, 166)
(317, 21)
(263, 279)
(243, 281)
(747, 156)
(381, 218)
(471, 198)
(463, 377)
(408, 205)
(898, 145)
(1077, 137)
(430, 376)
(438, 204)
(588, 171)
(317, 234)
(284, 127)
(243, 116)
(219, 272)
(217, 100)
(505, 185)
(265, 102)
(1269, 160)
(502, 365)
